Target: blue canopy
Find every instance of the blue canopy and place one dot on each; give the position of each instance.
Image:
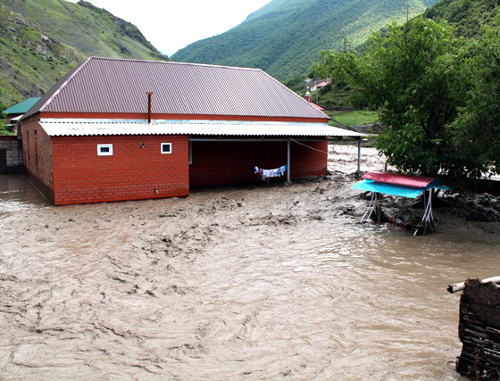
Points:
(396, 190)
(399, 185)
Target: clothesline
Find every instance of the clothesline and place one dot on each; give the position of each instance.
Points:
(269, 173)
(305, 145)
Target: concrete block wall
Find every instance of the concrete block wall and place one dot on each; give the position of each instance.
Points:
(13, 151)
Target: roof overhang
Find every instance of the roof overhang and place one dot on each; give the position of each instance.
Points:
(88, 127)
(16, 119)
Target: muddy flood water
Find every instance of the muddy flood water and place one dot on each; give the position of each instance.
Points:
(262, 282)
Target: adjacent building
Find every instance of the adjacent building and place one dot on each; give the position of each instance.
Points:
(10, 146)
(14, 112)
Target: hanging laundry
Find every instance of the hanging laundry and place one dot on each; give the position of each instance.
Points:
(268, 173)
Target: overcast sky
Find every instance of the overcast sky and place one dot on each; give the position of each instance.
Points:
(171, 25)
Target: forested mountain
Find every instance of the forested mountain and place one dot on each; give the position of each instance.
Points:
(283, 6)
(41, 40)
(284, 37)
(466, 16)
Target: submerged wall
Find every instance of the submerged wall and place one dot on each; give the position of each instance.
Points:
(11, 158)
(37, 156)
(479, 331)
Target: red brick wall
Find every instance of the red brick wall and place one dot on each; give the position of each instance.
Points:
(232, 162)
(37, 156)
(311, 160)
(131, 173)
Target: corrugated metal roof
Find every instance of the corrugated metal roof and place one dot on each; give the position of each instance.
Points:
(21, 107)
(108, 85)
(68, 127)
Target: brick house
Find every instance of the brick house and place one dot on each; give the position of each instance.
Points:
(116, 129)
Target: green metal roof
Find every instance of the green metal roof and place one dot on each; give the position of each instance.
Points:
(22, 107)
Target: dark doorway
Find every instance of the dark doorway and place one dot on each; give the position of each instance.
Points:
(3, 161)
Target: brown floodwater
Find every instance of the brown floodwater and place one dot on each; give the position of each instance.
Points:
(257, 282)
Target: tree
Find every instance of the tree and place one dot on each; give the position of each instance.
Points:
(416, 77)
(477, 125)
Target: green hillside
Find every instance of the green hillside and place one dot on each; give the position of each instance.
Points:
(283, 6)
(41, 40)
(466, 16)
(283, 37)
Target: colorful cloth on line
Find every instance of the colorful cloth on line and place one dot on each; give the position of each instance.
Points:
(267, 173)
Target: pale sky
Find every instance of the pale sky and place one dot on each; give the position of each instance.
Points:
(171, 25)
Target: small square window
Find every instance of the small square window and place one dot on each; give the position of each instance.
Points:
(166, 148)
(105, 150)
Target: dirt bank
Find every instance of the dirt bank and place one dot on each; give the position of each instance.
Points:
(256, 282)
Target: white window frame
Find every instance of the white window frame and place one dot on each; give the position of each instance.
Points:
(170, 148)
(101, 153)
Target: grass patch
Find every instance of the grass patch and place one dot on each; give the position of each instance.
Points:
(4, 131)
(354, 118)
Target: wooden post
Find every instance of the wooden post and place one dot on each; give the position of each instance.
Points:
(452, 288)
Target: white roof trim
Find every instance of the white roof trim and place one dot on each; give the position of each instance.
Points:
(78, 127)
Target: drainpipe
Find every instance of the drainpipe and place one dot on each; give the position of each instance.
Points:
(150, 95)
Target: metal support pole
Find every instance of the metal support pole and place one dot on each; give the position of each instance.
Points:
(359, 155)
(288, 161)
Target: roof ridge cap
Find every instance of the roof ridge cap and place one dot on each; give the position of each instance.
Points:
(217, 66)
(174, 63)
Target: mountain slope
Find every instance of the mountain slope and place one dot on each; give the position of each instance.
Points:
(466, 16)
(41, 40)
(283, 37)
(283, 6)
